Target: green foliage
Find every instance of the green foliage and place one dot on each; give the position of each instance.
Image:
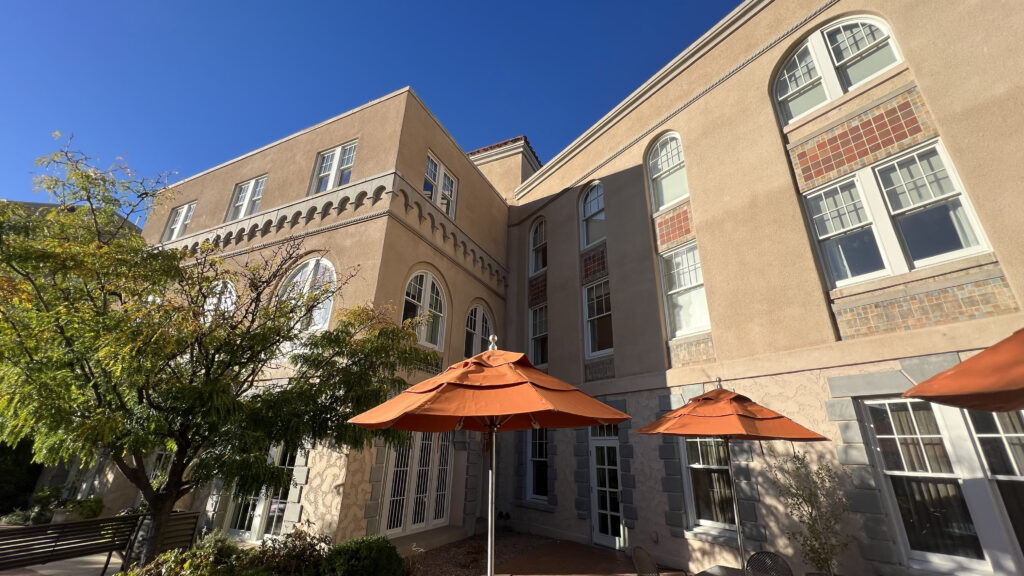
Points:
(85, 509)
(300, 553)
(366, 555)
(110, 348)
(815, 499)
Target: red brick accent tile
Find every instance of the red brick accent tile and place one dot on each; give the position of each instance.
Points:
(539, 289)
(594, 264)
(674, 227)
(895, 125)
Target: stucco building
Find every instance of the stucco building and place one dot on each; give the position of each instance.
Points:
(811, 205)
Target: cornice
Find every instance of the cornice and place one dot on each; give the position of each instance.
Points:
(511, 149)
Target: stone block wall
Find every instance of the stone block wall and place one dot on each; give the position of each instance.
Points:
(688, 351)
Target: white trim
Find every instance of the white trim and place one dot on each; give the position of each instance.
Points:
(530, 335)
(438, 183)
(177, 222)
(581, 205)
(430, 521)
(241, 195)
(588, 354)
(480, 336)
(337, 153)
(529, 494)
(511, 149)
(327, 306)
(692, 522)
(607, 540)
(671, 329)
(424, 305)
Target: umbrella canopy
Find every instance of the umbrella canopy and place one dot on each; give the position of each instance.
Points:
(494, 387)
(721, 413)
(991, 380)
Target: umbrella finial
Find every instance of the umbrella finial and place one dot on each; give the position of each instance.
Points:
(494, 342)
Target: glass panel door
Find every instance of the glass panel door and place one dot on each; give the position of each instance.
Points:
(419, 484)
(606, 520)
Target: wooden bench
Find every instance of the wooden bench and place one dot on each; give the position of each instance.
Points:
(31, 545)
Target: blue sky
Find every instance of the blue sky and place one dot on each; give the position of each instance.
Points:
(184, 86)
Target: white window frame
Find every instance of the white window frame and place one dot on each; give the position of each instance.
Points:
(440, 183)
(673, 330)
(480, 324)
(693, 522)
(423, 304)
(439, 483)
(245, 200)
(896, 258)
(259, 504)
(826, 66)
(343, 157)
(587, 319)
(316, 266)
(537, 438)
(980, 496)
(178, 221)
(534, 334)
(654, 178)
(540, 225)
(584, 217)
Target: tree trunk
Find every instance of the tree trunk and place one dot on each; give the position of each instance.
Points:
(160, 510)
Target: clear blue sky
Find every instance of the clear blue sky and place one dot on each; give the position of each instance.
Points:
(186, 85)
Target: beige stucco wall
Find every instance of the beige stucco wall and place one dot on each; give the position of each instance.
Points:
(506, 173)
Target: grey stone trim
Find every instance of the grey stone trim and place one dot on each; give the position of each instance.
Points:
(581, 476)
(851, 432)
(862, 477)
(371, 510)
(921, 368)
(878, 551)
(874, 384)
(841, 409)
(865, 501)
(474, 472)
(520, 499)
(852, 455)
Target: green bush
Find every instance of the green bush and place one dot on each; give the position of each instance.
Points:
(35, 515)
(85, 509)
(367, 555)
(299, 553)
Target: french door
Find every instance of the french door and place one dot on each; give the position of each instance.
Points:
(606, 521)
(418, 490)
(253, 516)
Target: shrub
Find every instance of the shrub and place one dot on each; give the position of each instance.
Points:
(814, 498)
(85, 509)
(366, 555)
(299, 553)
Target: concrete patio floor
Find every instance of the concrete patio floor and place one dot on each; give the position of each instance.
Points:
(84, 566)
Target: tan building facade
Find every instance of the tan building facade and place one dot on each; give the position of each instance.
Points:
(811, 205)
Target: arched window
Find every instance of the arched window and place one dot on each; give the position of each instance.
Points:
(424, 297)
(311, 276)
(479, 328)
(831, 62)
(667, 171)
(592, 223)
(538, 247)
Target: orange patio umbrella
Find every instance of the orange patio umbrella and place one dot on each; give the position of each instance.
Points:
(725, 414)
(991, 380)
(490, 391)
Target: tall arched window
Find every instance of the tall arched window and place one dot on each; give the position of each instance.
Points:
(538, 247)
(592, 223)
(831, 62)
(221, 300)
(667, 171)
(479, 328)
(311, 276)
(424, 297)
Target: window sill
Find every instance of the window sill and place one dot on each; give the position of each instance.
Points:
(535, 505)
(599, 355)
(670, 207)
(925, 273)
(690, 337)
(720, 536)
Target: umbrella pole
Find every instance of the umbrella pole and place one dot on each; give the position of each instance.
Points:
(490, 502)
(735, 504)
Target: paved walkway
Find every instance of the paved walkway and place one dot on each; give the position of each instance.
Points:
(84, 566)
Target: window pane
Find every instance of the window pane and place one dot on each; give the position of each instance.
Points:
(594, 228)
(880, 419)
(996, 457)
(539, 350)
(601, 333)
(799, 71)
(853, 254)
(938, 229)
(983, 422)
(689, 311)
(935, 516)
(874, 61)
(902, 419)
(803, 101)
(891, 458)
(712, 494)
(671, 187)
(851, 39)
(1011, 422)
(1012, 493)
(540, 478)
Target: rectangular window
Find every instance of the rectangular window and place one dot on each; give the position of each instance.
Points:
(246, 199)
(898, 215)
(333, 168)
(278, 500)
(707, 464)
(846, 237)
(178, 221)
(539, 335)
(598, 319)
(917, 465)
(1000, 439)
(537, 464)
(684, 291)
(440, 186)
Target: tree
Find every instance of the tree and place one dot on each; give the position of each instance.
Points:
(110, 348)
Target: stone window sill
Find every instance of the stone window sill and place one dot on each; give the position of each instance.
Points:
(720, 536)
(535, 505)
(944, 268)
